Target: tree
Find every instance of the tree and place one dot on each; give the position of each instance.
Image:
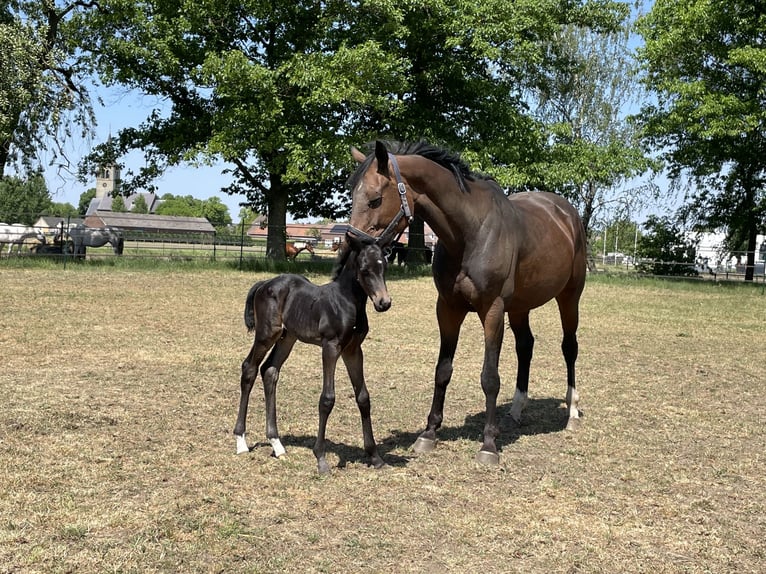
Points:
(65, 210)
(670, 250)
(216, 212)
(583, 100)
(139, 205)
(42, 91)
(118, 204)
(85, 198)
(706, 62)
(280, 89)
(23, 200)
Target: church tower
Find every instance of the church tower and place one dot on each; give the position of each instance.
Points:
(107, 180)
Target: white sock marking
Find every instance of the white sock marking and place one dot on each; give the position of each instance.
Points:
(518, 404)
(242, 444)
(276, 444)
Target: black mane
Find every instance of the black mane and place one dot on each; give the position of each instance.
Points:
(445, 158)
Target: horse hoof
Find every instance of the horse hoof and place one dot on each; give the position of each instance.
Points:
(423, 445)
(488, 458)
(573, 424)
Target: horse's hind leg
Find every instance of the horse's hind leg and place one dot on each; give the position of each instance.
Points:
(525, 344)
(270, 375)
(568, 309)
(249, 372)
(354, 360)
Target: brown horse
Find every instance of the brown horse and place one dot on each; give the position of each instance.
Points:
(293, 249)
(496, 255)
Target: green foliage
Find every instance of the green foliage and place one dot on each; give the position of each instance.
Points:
(41, 80)
(216, 212)
(66, 210)
(279, 89)
(668, 248)
(85, 199)
(23, 201)
(705, 60)
(139, 205)
(118, 204)
(620, 236)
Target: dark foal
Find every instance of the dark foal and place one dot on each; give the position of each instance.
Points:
(289, 308)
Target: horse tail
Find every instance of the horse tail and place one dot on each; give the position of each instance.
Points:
(250, 307)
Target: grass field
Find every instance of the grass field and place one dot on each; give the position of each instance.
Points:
(119, 390)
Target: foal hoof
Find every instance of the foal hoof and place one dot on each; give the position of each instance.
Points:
(488, 458)
(423, 445)
(242, 444)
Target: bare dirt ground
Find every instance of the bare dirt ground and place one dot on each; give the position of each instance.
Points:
(119, 392)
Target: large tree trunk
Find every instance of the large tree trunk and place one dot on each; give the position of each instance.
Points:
(276, 237)
(416, 245)
(752, 235)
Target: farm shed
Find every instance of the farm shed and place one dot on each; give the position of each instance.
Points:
(141, 225)
(49, 223)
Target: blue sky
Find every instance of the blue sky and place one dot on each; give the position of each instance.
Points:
(123, 109)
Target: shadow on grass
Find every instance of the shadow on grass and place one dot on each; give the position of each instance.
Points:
(541, 416)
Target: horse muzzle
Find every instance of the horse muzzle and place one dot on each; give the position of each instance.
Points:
(381, 303)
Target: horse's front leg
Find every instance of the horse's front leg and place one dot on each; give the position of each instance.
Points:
(450, 320)
(330, 354)
(270, 375)
(490, 379)
(354, 360)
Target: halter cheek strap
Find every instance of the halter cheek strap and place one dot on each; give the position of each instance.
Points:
(404, 211)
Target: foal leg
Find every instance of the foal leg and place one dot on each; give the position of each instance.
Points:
(568, 309)
(450, 320)
(493, 322)
(354, 360)
(270, 375)
(249, 372)
(525, 343)
(330, 354)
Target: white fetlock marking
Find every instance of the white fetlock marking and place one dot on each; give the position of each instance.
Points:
(276, 444)
(573, 400)
(241, 444)
(518, 404)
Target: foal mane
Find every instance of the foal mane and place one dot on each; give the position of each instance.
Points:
(445, 158)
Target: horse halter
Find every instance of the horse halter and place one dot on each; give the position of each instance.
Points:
(404, 211)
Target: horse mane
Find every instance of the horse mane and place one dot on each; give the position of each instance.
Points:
(445, 158)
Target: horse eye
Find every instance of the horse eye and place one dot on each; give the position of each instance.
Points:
(375, 203)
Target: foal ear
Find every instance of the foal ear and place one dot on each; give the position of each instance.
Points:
(381, 154)
(358, 156)
(354, 243)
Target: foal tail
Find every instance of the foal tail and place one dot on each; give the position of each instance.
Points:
(250, 307)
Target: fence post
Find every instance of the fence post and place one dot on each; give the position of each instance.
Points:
(241, 241)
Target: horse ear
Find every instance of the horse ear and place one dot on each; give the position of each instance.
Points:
(381, 154)
(354, 243)
(358, 156)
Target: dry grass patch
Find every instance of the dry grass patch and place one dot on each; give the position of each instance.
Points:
(119, 392)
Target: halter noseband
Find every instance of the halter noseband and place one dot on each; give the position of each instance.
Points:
(404, 211)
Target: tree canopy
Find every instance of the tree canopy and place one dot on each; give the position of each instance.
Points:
(43, 93)
(280, 90)
(706, 62)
